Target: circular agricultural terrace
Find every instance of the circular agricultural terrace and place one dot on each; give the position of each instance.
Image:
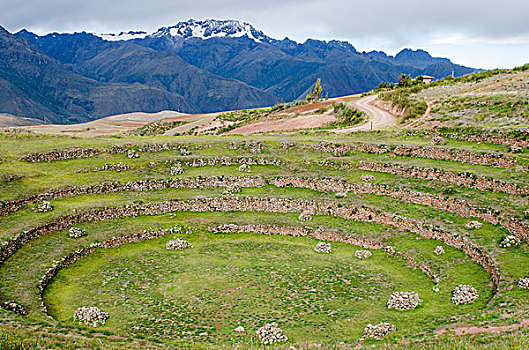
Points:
(242, 242)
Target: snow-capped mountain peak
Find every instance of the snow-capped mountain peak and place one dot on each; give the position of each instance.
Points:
(123, 35)
(211, 28)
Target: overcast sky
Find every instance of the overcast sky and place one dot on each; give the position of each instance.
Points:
(477, 33)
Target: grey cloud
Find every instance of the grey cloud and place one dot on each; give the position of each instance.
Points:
(398, 22)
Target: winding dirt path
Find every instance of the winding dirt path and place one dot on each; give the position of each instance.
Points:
(378, 119)
(466, 329)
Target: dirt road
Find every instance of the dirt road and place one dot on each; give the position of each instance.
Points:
(378, 119)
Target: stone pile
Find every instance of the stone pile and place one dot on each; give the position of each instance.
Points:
(245, 168)
(378, 330)
(178, 244)
(466, 179)
(341, 194)
(390, 249)
(271, 333)
(323, 247)
(43, 207)
(305, 216)
(437, 140)
(523, 282)
(132, 153)
(464, 294)
(509, 241)
(362, 254)
(403, 301)
(176, 170)
(474, 225)
(367, 178)
(75, 232)
(438, 250)
(15, 307)
(91, 316)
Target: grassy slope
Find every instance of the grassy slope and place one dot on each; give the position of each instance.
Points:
(76, 285)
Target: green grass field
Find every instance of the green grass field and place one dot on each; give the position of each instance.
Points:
(195, 298)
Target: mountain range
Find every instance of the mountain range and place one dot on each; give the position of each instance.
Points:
(192, 67)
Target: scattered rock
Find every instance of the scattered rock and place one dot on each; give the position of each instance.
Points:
(390, 249)
(464, 294)
(75, 232)
(474, 225)
(362, 254)
(177, 170)
(523, 282)
(239, 329)
(178, 244)
(92, 316)
(15, 307)
(367, 178)
(305, 216)
(132, 153)
(403, 301)
(271, 333)
(509, 241)
(323, 247)
(43, 207)
(378, 330)
(341, 194)
(439, 250)
(245, 168)
(438, 140)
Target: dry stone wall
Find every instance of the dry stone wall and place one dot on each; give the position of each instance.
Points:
(77, 153)
(487, 138)
(455, 155)
(468, 180)
(458, 206)
(269, 205)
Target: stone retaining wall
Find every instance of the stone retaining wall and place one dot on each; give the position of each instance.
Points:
(469, 180)
(77, 153)
(487, 138)
(268, 205)
(453, 205)
(455, 155)
(322, 235)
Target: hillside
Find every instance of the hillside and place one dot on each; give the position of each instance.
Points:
(36, 86)
(493, 99)
(194, 66)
